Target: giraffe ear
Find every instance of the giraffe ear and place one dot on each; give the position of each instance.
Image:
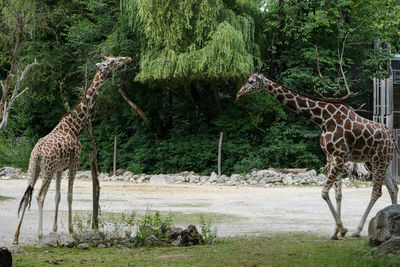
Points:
(98, 65)
(255, 70)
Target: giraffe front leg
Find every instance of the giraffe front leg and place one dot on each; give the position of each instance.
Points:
(57, 200)
(333, 173)
(338, 196)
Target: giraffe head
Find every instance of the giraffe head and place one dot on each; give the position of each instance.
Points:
(254, 83)
(112, 63)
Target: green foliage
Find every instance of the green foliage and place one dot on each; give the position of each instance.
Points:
(208, 233)
(183, 53)
(192, 39)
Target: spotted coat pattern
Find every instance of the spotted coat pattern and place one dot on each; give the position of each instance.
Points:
(60, 149)
(346, 136)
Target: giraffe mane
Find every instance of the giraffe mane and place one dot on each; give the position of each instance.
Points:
(310, 97)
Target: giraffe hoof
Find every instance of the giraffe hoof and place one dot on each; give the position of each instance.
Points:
(356, 235)
(15, 242)
(334, 237)
(342, 234)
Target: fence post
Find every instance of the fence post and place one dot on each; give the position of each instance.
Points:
(115, 156)
(221, 135)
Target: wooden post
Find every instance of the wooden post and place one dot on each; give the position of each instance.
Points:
(221, 135)
(115, 156)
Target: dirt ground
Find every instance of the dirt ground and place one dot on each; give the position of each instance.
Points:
(247, 210)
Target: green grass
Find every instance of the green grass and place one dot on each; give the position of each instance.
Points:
(5, 198)
(276, 250)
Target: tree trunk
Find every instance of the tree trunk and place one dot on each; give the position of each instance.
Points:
(95, 190)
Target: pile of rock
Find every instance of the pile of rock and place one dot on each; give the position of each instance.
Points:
(176, 237)
(270, 177)
(256, 177)
(11, 173)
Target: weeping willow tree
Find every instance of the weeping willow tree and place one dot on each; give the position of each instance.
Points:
(192, 39)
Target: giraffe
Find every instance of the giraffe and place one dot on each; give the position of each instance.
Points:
(346, 136)
(60, 149)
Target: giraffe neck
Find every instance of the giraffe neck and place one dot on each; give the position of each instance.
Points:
(310, 108)
(77, 117)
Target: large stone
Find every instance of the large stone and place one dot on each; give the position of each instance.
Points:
(390, 246)
(92, 238)
(190, 236)
(161, 179)
(5, 257)
(56, 240)
(385, 225)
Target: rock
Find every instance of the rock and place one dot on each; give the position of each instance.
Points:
(287, 179)
(128, 173)
(190, 236)
(220, 180)
(174, 232)
(235, 177)
(390, 246)
(179, 179)
(101, 246)
(119, 172)
(177, 241)
(84, 246)
(5, 257)
(161, 179)
(10, 173)
(92, 238)
(385, 225)
(194, 178)
(213, 176)
(56, 240)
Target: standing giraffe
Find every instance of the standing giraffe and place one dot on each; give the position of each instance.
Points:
(61, 148)
(346, 136)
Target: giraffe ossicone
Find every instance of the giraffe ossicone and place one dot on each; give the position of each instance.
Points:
(60, 149)
(346, 136)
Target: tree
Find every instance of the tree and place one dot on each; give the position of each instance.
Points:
(16, 17)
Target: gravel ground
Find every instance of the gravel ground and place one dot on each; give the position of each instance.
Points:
(261, 210)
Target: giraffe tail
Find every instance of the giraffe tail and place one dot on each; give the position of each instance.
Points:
(27, 197)
(33, 173)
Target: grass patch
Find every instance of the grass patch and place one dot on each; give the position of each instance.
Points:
(6, 198)
(276, 250)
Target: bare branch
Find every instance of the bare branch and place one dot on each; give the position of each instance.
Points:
(132, 104)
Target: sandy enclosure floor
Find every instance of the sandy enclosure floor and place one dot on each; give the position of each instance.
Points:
(261, 210)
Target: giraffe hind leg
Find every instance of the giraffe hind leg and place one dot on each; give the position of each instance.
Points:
(391, 185)
(40, 199)
(57, 199)
(378, 175)
(27, 198)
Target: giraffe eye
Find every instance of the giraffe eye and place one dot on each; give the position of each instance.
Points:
(251, 81)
